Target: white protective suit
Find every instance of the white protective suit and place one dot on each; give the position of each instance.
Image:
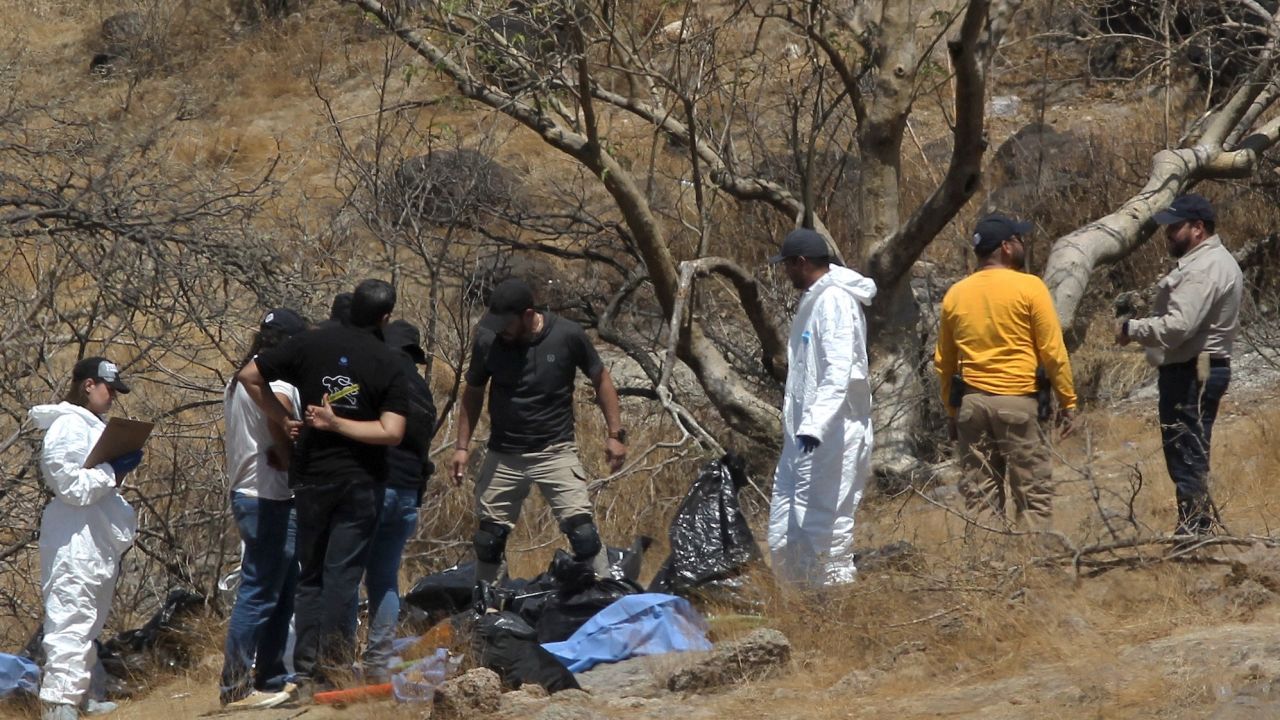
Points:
(85, 529)
(828, 396)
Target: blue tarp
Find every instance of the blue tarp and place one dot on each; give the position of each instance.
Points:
(644, 624)
(18, 674)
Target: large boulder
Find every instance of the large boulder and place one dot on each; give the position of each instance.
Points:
(761, 653)
(119, 40)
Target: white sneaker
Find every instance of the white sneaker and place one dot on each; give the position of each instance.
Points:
(99, 707)
(259, 700)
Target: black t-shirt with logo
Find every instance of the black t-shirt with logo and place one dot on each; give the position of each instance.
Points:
(363, 379)
(531, 383)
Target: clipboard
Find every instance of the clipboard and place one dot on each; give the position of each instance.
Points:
(121, 436)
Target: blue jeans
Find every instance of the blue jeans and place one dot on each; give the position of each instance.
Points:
(1188, 409)
(396, 525)
(259, 626)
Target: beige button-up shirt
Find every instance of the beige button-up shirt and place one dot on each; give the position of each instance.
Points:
(1197, 308)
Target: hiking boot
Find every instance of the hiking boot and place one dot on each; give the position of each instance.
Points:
(99, 707)
(260, 700)
(58, 711)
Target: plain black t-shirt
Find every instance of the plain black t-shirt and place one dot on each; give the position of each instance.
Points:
(327, 360)
(531, 384)
(408, 464)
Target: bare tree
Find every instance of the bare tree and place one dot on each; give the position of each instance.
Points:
(1226, 142)
(577, 76)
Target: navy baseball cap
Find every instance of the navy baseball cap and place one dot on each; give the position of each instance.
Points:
(996, 228)
(511, 297)
(100, 369)
(285, 320)
(1186, 207)
(802, 242)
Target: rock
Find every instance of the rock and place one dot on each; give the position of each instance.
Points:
(1247, 595)
(568, 712)
(1260, 564)
(119, 39)
(474, 693)
(761, 653)
(857, 682)
(900, 555)
(632, 678)
(1004, 106)
(525, 701)
(534, 690)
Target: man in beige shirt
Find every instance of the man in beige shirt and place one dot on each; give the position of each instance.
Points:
(1189, 337)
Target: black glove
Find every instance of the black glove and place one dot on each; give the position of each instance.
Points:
(125, 464)
(807, 443)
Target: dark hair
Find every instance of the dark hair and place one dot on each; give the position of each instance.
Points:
(1210, 226)
(372, 300)
(265, 339)
(341, 309)
(76, 394)
(982, 254)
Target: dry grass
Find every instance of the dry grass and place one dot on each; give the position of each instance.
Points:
(968, 614)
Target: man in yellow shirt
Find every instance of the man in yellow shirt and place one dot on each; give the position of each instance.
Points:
(998, 326)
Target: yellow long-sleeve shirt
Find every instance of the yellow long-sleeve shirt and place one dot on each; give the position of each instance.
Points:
(998, 326)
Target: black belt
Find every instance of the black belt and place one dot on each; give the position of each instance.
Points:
(1213, 363)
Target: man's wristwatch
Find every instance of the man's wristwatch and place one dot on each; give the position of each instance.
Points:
(620, 435)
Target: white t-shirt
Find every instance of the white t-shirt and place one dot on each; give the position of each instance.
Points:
(247, 440)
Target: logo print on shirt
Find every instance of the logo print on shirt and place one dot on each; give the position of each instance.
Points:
(343, 361)
(805, 336)
(342, 392)
(551, 357)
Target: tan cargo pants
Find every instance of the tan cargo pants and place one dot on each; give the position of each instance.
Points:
(504, 483)
(1000, 440)
(506, 478)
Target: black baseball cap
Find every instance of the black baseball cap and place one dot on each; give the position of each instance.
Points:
(511, 297)
(100, 369)
(287, 321)
(996, 228)
(403, 335)
(1186, 207)
(802, 242)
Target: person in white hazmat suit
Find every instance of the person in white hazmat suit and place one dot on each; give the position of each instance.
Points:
(85, 529)
(826, 418)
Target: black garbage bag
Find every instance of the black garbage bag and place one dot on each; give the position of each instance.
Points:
(508, 645)
(165, 642)
(444, 593)
(710, 540)
(571, 606)
(626, 562)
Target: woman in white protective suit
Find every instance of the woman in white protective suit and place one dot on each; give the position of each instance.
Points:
(826, 419)
(86, 527)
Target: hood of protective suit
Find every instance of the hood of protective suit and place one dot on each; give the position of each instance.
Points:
(44, 415)
(860, 287)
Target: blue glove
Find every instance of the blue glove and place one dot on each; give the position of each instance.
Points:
(125, 463)
(807, 443)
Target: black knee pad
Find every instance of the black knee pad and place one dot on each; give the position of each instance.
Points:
(583, 538)
(490, 541)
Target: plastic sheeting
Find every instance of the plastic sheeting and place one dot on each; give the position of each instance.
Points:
(711, 542)
(18, 675)
(647, 624)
